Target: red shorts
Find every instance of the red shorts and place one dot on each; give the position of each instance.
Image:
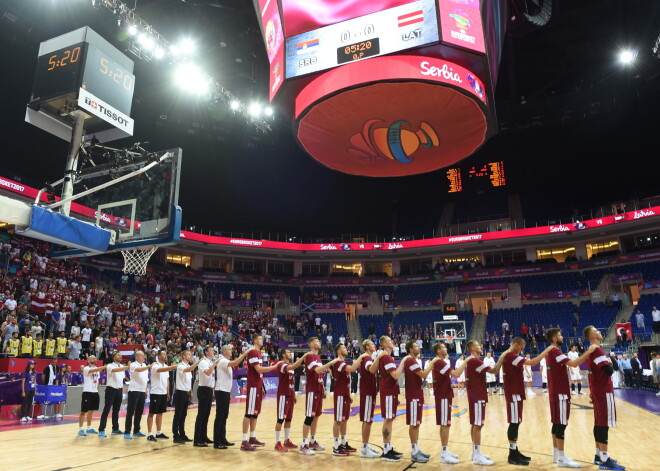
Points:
(604, 410)
(443, 411)
(367, 408)
(313, 404)
(477, 412)
(253, 403)
(342, 408)
(514, 409)
(285, 408)
(414, 411)
(388, 405)
(560, 408)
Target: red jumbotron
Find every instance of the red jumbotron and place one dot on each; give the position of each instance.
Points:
(392, 116)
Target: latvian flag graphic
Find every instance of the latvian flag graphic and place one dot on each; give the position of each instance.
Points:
(306, 46)
(411, 18)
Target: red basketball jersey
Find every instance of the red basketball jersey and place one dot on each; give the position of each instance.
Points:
(513, 375)
(342, 379)
(413, 381)
(475, 380)
(254, 379)
(442, 380)
(557, 372)
(287, 381)
(599, 381)
(314, 380)
(388, 385)
(368, 384)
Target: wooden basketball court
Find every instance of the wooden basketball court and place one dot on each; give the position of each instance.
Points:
(633, 443)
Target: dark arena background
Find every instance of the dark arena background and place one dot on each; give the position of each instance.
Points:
(192, 192)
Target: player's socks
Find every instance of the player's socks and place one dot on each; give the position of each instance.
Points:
(336, 442)
(312, 439)
(579, 388)
(287, 433)
(343, 439)
(415, 448)
(304, 442)
(604, 455)
(277, 436)
(572, 387)
(387, 447)
(245, 438)
(513, 446)
(253, 434)
(476, 450)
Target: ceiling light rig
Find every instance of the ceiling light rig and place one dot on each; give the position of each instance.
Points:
(147, 44)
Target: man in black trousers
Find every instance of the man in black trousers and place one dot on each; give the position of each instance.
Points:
(137, 394)
(114, 391)
(224, 376)
(182, 396)
(205, 396)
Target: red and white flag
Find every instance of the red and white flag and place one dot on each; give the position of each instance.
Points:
(411, 18)
(624, 330)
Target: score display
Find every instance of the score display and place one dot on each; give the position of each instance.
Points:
(383, 32)
(491, 172)
(56, 71)
(106, 79)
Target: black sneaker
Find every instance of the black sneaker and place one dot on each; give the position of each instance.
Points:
(396, 453)
(163, 436)
(520, 455)
(516, 459)
(179, 441)
(151, 438)
(390, 456)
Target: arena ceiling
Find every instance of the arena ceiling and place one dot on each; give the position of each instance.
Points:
(576, 128)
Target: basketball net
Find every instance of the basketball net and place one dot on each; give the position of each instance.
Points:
(136, 260)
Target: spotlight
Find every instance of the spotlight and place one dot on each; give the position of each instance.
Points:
(234, 105)
(146, 41)
(254, 110)
(159, 53)
(627, 56)
(132, 30)
(174, 50)
(192, 78)
(187, 46)
(268, 111)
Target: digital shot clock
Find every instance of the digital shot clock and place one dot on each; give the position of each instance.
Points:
(357, 51)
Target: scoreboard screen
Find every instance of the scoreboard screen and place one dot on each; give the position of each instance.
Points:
(490, 174)
(401, 27)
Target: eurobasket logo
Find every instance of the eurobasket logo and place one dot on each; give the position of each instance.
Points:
(397, 141)
(461, 18)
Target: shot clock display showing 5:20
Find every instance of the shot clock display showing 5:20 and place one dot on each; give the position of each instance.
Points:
(107, 80)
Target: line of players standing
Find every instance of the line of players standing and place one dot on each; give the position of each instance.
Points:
(380, 375)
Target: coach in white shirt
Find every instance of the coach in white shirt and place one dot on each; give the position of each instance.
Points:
(137, 394)
(182, 396)
(655, 314)
(90, 395)
(205, 396)
(113, 394)
(223, 382)
(159, 395)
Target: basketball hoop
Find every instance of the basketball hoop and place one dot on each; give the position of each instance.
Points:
(136, 260)
(449, 338)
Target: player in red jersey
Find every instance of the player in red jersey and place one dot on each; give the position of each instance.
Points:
(414, 374)
(368, 392)
(286, 398)
(389, 395)
(602, 397)
(514, 394)
(560, 394)
(443, 393)
(341, 373)
(255, 388)
(475, 382)
(314, 396)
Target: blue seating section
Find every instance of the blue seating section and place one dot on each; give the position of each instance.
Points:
(380, 323)
(421, 292)
(645, 305)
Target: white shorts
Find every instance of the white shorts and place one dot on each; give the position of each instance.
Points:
(575, 374)
(461, 378)
(527, 377)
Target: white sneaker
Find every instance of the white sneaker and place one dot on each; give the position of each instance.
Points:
(448, 452)
(369, 453)
(581, 393)
(448, 458)
(573, 393)
(58, 416)
(566, 462)
(29, 419)
(40, 417)
(23, 419)
(482, 460)
(658, 394)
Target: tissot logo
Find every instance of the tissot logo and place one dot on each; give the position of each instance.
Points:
(560, 228)
(643, 213)
(107, 113)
